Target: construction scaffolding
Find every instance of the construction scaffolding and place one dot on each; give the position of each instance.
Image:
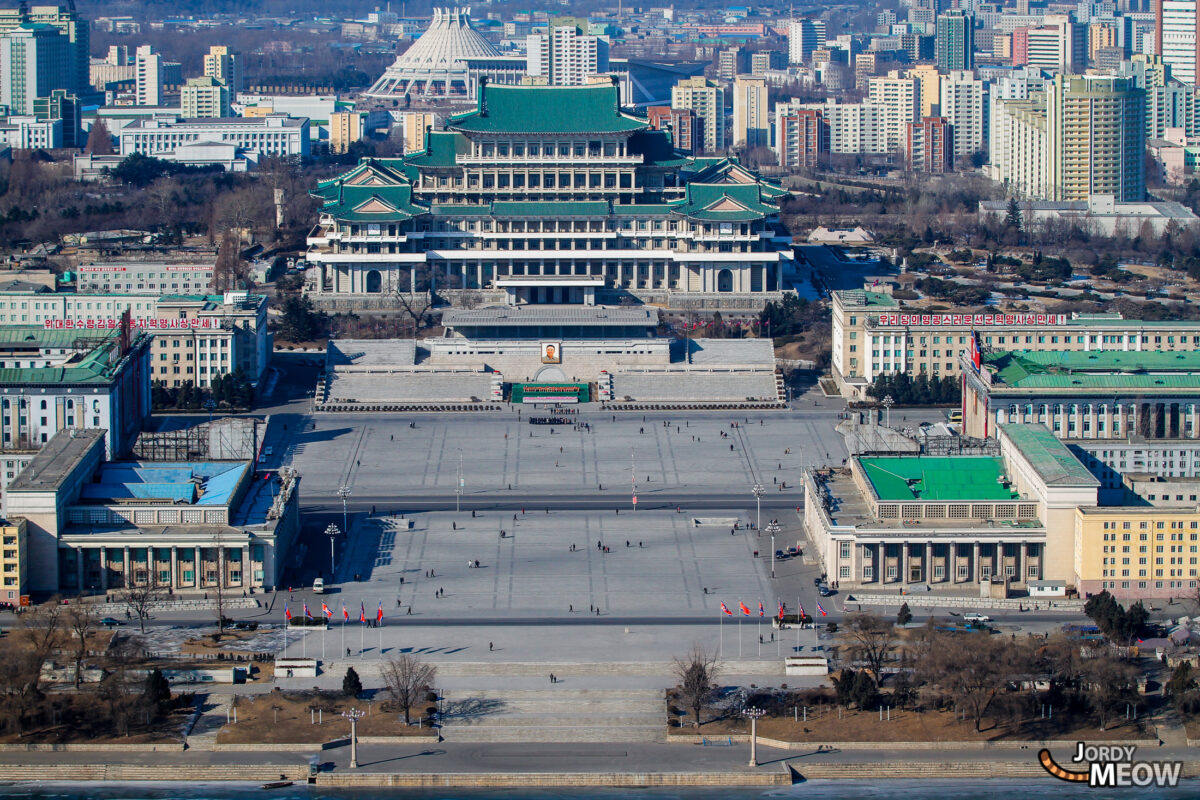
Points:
(229, 439)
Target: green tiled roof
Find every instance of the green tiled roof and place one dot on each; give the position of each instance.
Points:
(725, 202)
(373, 203)
(643, 209)
(92, 368)
(442, 149)
(1106, 369)
(547, 109)
(937, 478)
(520, 208)
(1053, 460)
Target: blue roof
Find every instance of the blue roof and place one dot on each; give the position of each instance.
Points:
(205, 483)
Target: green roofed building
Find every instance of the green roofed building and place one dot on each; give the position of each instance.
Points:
(1080, 394)
(549, 194)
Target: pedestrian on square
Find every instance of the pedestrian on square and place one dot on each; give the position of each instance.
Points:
(490, 647)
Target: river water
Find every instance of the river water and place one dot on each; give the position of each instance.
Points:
(819, 790)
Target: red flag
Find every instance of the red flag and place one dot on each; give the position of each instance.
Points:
(725, 608)
(362, 612)
(345, 613)
(760, 608)
(745, 610)
(287, 612)
(325, 610)
(781, 610)
(820, 609)
(379, 614)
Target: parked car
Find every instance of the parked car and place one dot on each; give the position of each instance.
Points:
(824, 591)
(111, 622)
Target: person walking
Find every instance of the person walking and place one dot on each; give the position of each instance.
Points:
(490, 647)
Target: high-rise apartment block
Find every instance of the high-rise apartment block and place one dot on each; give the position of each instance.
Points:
(35, 59)
(801, 137)
(566, 57)
(345, 128)
(708, 101)
(149, 74)
(222, 64)
(955, 44)
(687, 130)
(899, 100)
(1177, 37)
(205, 97)
(805, 36)
(930, 146)
(750, 113)
(1081, 136)
(964, 106)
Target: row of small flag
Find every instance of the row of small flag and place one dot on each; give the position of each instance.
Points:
(362, 612)
(761, 610)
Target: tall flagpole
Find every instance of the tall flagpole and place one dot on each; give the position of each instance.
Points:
(362, 636)
(740, 634)
(285, 627)
(379, 624)
(343, 631)
(799, 622)
(323, 627)
(721, 627)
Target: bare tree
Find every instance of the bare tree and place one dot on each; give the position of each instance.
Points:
(697, 675)
(405, 678)
(42, 626)
(415, 302)
(972, 668)
(1111, 683)
(872, 640)
(225, 271)
(142, 600)
(81, 620)
(99, 141)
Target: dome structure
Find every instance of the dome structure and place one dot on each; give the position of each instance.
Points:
(436, 62)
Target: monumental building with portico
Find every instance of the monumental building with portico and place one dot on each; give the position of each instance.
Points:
(550, 194)
(93, 525)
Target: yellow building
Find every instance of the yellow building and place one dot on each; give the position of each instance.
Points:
(13, 564)
(1137, 552)
(931, 83)
(345, 128)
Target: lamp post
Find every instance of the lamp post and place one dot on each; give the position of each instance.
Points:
(759, 491)
(332, 533)
(354, 715)
(753, 714)
(773, 528)
(344, 493)
(888, 402)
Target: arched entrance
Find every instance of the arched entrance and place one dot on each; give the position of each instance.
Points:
(549, 375)
(724, 281)
(374, 281)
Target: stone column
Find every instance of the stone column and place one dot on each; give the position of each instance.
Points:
(104, 569)
(80, 554)
(127, 566)
(199, 573)
(222, 578)
(973, 571)
(244, 581)
(173, 584)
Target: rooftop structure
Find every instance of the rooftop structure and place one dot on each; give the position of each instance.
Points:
(437, 63)
(1088, 395)
(949, 520)
(95, 525)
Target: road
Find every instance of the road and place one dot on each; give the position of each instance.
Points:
(657, 499)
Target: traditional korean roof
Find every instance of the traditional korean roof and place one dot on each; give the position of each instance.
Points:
(595, 108)
(725, 202)
(372, 203)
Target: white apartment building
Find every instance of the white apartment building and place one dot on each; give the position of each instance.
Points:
(853, 127)
(1059, 44)
(565, 56)
(149, 74)
(272, 135)
(899, 101)
(142, 277)
(222, 64)
(964, 104)
(1176, 37)
(750, 127)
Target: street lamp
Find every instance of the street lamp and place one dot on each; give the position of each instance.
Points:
(458, 489)
(344, 493)
(888, 402)
(773, 528)
(332, 533)
(753, 714)
(759, 491)
(354, 715)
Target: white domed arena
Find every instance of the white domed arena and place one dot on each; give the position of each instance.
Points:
(437, 63)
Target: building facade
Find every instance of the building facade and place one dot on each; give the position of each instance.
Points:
(565, 56)
(955, 40)
(272, 135)
(204, 98)
(68, 22)
(874, 334)
(930, 146)
(750, 113)
(1177, 37)
(708, 102)
(35, 59)
(577, 195)
(14, 562)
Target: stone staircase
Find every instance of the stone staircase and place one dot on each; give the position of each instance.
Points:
(214, 709)
(559, 712)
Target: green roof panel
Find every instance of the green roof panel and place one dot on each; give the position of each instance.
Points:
(594, 108)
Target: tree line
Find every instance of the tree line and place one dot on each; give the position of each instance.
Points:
(921, 390)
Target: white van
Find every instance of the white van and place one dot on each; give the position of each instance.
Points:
(973, 617)
(319, 586)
